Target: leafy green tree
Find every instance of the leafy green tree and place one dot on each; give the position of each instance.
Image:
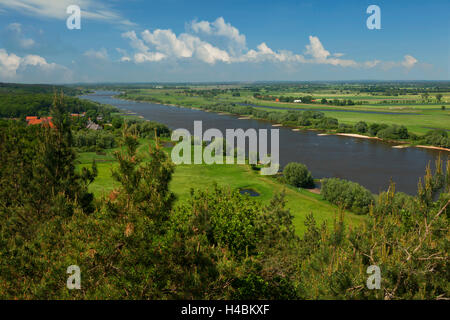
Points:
(298, 175)
(117, 122)
(361, 127)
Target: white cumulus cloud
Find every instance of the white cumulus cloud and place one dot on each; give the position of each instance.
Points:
(219, 28)
(101, 54)
(162, 44)
(165, 44)
(14, 67)
(409, 61)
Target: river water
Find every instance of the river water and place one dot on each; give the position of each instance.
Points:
(369, 162)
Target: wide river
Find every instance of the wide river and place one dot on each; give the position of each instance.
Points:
(368, 162)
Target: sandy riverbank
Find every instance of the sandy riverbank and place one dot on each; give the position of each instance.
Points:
(401, 146)
(354, 135)
(431, 147)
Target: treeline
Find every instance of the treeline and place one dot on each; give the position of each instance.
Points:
(92, 140)
(20, 105)
(146, 129)
(136, 243)
(308, 100)
(20, 88)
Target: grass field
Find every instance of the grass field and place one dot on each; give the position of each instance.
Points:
(187, 177)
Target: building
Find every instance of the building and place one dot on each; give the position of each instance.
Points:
(46, 121)
(93, 126)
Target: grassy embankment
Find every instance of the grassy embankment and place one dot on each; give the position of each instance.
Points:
(300, 202)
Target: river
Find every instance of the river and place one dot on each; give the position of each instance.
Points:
(369, 162)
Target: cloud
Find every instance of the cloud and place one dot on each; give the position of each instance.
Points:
(101, 54)
(9, 63)
(17, 37)
(95, 10)
(135, 42)
(143, 54)
(316, 49)
(219, 28)
(166, 41)
(124, 54)
(321, 56)
(14, 67)
(164, 44)
(409, 61)
(371, 64)
(264, 53)
(168, 45)
(149, 56)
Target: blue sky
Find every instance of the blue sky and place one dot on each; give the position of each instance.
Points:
(177, 41)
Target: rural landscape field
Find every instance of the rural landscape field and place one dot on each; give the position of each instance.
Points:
(178, 163)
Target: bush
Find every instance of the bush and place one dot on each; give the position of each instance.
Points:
(347, 194)
(297, 175)
(361, 127)
(437, 138)
(345, 128)
(375, 127)
(393, 132)
(328, 123)
(304, 121)
(117, 122)
(313, 114)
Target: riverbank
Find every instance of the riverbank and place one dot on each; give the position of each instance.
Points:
(354, 135)
(297, 128)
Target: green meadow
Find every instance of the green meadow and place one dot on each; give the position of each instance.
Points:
(235, 177)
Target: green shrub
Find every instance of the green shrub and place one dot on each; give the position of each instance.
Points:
(393, 132)
(297, 175)
(361, 127)
(375, 127)
(345, 128)
(437, 138)
(347, 194)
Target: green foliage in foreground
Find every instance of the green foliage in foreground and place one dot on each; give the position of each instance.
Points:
(136, 244)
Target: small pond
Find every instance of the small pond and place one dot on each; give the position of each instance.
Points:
(250, 192)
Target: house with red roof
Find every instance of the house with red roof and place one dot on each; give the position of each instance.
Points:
(46, 121)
